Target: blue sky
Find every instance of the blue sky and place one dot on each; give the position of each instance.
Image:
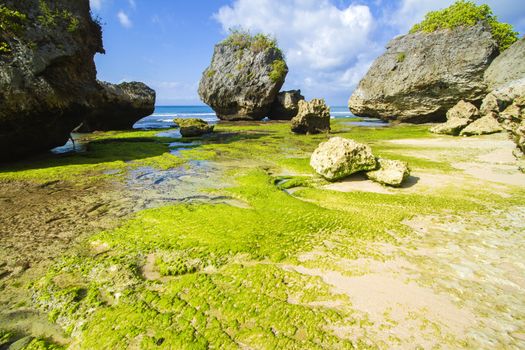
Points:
(329, 44)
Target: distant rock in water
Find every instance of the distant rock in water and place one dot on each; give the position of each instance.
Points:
(244, 77)
(286, 105)
(312, 118)
(507, 67)
(422, 75)
(118, 107)
(47, 73)
(193, 127)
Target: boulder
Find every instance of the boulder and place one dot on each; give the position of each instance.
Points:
(389, 172)
(286, 105)
(338, 158)
(193, 127)
(312, 118)
(507, 67)
(482, 126)
(422, 75)
(243, 78)
(458, 117)
(47, 73)
(118, 107)
(498, 99)
(512, 119)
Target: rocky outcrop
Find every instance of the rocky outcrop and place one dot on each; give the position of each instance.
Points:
(507, 67)
(241, 83)
(458, 117)
(193, 127)
(497, 100)
(389, 172)
(47, 73)
(422, 75)
(118, 107)
(338, 158)
(312, 118)
(483, 126)
(512, 119)
(286, 105)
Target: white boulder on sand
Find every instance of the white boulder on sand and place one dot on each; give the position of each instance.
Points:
(458, 117)
(390, 172)
(483, 126)
(338, 157)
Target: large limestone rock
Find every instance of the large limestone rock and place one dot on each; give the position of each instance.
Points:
(47, 75)
(242, 83)
(286, 105)
(422, 75)
(507, 67)
(118, 107)
(338, 157)
(499, 99)
(390, 172)
(483, 126)
(312, 118)
(512, 119)
(193, 127)
(458, 117)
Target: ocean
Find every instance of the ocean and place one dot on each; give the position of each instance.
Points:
(164, 115)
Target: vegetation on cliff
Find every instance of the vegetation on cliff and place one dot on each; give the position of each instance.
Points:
(467, 13)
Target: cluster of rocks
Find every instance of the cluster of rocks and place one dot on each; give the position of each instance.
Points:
(338, 158)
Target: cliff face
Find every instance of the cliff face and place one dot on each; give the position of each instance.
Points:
(240, 83)
(47, 72)
(422, 75)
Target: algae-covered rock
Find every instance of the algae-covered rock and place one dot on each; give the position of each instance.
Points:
(422, 75)
(47, 72)
(458, 117)
(312, 118)
(286, 105)
(338, 158)
(390, 172)
(483, 126)
(118, 107)
(244, 77)
(193, 127)
(507, 67)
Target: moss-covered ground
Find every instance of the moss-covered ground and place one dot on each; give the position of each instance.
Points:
(219, 276)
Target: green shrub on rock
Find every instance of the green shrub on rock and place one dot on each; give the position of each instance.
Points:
(467, 13)
(243, 39)
(279, 70)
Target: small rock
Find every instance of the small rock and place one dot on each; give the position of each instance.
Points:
(483, 126)
(313, 117)
(192, 127)
(21, 343)
(390, 172)
(458, 117)
(338, 158)
(286, 105)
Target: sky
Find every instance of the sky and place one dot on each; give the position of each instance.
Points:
(328, 44)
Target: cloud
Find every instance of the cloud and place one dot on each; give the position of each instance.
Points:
(323, 43)
(96, 4)
(124, 19)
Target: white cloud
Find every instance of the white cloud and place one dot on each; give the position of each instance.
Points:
(96, 4)
(321, 41)
(124, 19)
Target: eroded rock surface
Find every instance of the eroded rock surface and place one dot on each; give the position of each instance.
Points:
(286, 105)
(422, 75)
(312, 118)
(458, 117)
(192, 127)
(483, 126)
(390, 172)
(507, 67)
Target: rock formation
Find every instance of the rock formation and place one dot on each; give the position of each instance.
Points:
(312, 118)
(193, 127)
(389, 172)
(47, 73)
(512, 119)
(244, 77)
(118, 107)
(507, 67)
(286, 105)
(338, 158)
(458, 117)
(422, 75)
(482, 126)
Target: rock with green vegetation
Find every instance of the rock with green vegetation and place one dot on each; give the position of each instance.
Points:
(47, 72)
(192, 127)
(438, 69)
(482, 126)
(286, 105)
(338, 158)
(458, 117)
(118, 107)
(507, 67)
(312, 117)
(512, 119)
(245, 75)
(390, 172)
